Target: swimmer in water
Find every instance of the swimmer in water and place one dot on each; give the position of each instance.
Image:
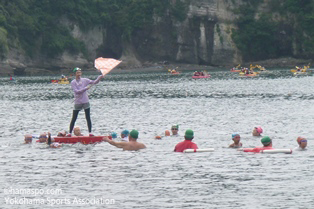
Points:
(52, 144)
(257, 131)
(267, 144)
(131, 145)
(42, 138)
(175, 129)
(187, 143)
(28, 138)
(125, 135)
(302, 142)
(236, 141)
(167, 133)
(77, 131)
(62, 133)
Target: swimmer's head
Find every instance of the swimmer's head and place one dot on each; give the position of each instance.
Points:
(62, 133)
(77, 131)
(125, 133)
(174, 129)
(133, 134)
(167, 133)
(114, 135)
(236, 137)
(257, 131)
(28, 138)
(43, 137)
(266, 141)
(158, 137)
(189, 134)
(302, 142)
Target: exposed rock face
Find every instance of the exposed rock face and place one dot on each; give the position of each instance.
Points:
(204, 38)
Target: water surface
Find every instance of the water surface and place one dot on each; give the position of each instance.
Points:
(157, 177)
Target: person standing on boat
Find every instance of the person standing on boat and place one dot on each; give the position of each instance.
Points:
(80, 86)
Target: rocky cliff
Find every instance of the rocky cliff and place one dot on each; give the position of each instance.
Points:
(203, 38)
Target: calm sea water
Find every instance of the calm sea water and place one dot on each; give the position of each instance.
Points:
(102, 176)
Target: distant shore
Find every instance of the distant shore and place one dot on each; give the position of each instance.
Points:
(287, 62)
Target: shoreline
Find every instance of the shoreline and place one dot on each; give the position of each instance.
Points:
(287, 62)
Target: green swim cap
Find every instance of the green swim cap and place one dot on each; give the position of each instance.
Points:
(266, 140)
(134, 134)
(76, 69)
(189, 134)
(175, 126)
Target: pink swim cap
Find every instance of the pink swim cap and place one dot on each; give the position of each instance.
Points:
(259, 129)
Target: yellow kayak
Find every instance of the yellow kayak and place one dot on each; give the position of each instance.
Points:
(63, 82)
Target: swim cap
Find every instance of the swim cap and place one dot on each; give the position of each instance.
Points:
(175, 126)
(28, 137)
(259, 129)
(235, 134)
(266, 140)
(158, 137)
(125, 132)
(134, 134)
(76, 69)
(167, 133)
(114, 135)
(189, 134)
(43, 135)
(299, 139)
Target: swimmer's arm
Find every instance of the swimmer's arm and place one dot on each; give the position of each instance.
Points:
(117, 144)
(114, 143)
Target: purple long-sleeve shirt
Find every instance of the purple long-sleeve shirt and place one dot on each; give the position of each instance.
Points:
(80, 87)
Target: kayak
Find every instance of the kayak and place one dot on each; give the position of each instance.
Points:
(235, 71)
(203, 76)
(79, 139)
(60, 82)
(175, 73)
(300, 73)
(63, 82)
(248, 75)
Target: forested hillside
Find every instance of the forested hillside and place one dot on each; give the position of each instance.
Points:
(60, 33)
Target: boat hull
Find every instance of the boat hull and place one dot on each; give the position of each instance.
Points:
(205, 76)
(79, 139)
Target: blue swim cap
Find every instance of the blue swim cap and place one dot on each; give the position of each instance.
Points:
(235, 134)
(114, 135)
(125, 132)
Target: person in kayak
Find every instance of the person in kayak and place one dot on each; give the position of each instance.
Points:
(302, 142)
(131, 145)
(80, 86)
(236, 141)
(267, 144)
(257, 131)
(187, 143)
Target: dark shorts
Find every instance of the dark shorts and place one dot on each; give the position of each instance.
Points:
(81, 106)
